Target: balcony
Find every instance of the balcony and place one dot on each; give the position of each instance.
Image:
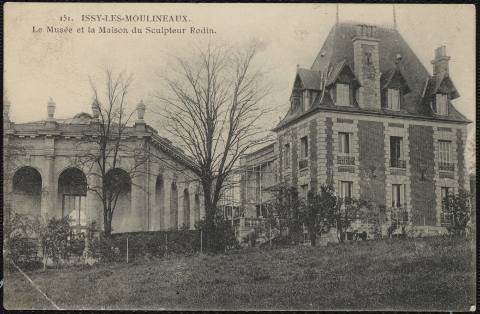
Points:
(398, 163)
(446, 166)
(346, 160)
(399, 215)
(302, 164)
(446, 219)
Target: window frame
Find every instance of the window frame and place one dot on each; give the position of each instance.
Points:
(341, 143)
(441, 108)
(445, 152)
(286, 156)
(398, 196)
(391, 92)
(394, 162)
(304, 147)
(344, 91)
(349, 184)
(82, 208)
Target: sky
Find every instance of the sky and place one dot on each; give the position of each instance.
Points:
(61, 66)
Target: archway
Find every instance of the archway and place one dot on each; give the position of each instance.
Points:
(27, 191)
(174, 207)
(160, 201)
(72, 196)
(196, 208)
(118, 186)
(186, 208)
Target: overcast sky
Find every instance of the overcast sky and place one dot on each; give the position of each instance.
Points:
(42, 65)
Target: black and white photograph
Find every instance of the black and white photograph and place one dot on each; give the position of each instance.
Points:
(239, 156)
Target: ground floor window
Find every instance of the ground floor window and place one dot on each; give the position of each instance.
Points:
(446, 215)
(75, 206)
(398, 195)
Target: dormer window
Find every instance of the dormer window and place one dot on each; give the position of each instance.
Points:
(393, 99)
(343, 94)
(440, 105)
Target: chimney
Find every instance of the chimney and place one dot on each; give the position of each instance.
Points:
(51, 109)
(95, 109)
(367, 65)
(440, 63)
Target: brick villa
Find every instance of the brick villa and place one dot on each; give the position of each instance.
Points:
(369, 119)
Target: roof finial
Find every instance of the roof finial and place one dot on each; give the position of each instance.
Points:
(394, 18)
(337, 18)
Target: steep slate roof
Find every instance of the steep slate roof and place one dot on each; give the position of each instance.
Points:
(338, 50)
(310, 79)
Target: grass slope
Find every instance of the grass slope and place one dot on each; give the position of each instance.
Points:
(374, 275)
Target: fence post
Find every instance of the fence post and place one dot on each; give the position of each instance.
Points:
(127, 250)
(201, 241)
(166, 242)
(270, 236)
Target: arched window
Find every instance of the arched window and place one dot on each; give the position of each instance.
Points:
(72, 196)
(27, 191)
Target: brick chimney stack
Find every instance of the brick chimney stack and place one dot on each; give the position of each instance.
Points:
(367, 65)
(440, 63)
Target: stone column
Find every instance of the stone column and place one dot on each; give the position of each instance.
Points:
(153, 204)
(165, 220)
(138, 213)
(192, 207)
(49, 189)
(94, 202)
(181, 186)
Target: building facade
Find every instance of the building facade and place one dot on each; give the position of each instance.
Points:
(43, 174)
(370, 120)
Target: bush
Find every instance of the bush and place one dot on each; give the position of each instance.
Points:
(223, 234)
(105, 250)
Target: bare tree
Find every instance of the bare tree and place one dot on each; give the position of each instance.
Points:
(105, 141)
(211, 104)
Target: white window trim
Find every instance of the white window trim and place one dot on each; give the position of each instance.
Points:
(343, 95)
(393, 99)
(442, 105)
(341, 143)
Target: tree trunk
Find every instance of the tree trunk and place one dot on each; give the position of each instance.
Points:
(107, 224)
(313, 238)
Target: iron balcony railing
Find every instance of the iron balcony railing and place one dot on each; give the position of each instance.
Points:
(399, 215)
(398, 163)
(446, 218)
(346, 160)
(446, 166)
(302, 164)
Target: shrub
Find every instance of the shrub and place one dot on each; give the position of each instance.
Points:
(223, 233)
(105, 250)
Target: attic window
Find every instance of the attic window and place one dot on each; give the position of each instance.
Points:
(440, 105)
(393, 99)
(343, 94)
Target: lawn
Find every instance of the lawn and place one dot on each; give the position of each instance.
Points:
(374, 275)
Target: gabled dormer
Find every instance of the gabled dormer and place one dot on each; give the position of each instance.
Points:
(342, 84)
(306, 87)
(394, 87)
(440, 89)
